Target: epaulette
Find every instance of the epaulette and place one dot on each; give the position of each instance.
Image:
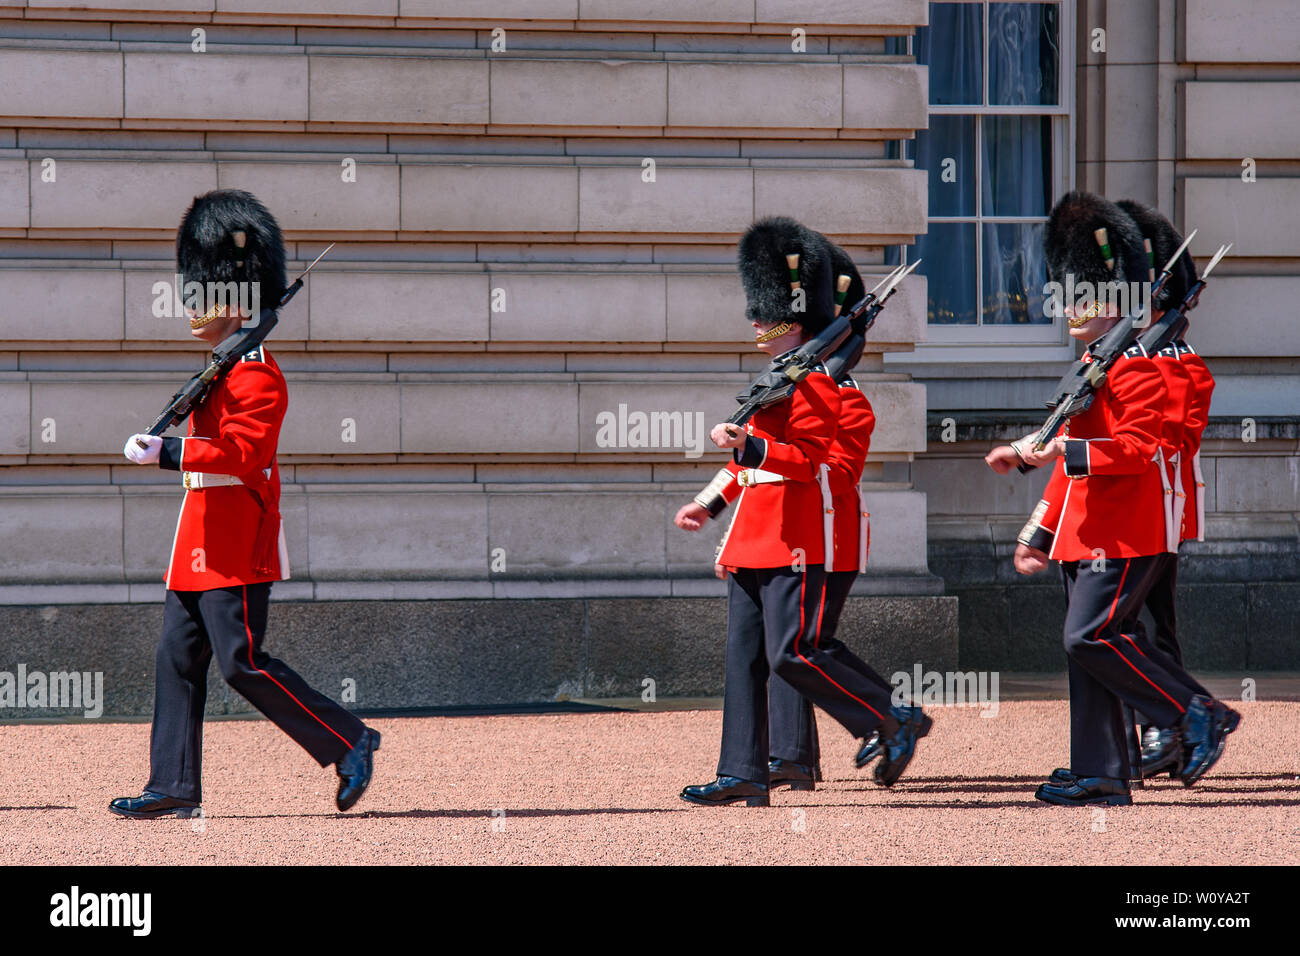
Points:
(256, 355)
(1185, 349)
(1135, 351)
(848, 382)
(1169, 351)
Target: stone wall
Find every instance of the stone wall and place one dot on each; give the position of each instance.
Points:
(535, 205)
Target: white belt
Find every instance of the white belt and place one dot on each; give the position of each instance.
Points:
(748, 477)
(197, 480)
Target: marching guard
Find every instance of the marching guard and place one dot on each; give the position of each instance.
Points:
(780, 537)
(793, 740)
(228, 546)
(1186, 375)
(1102, 518)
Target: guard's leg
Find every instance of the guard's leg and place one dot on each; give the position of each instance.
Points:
(744, 750)
(235, 618)
(180, 690)
(793, 606)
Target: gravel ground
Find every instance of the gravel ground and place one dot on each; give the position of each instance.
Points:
(602, 788)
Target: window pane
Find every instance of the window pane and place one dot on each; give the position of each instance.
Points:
(1024, 56)
(949, 267)
(946, 151)
(1017, 166)
(952, 46)
(1015, 272)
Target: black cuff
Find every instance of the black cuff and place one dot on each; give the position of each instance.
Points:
(170, 455)
(752, 454)
(717, 504)
(1076, 458)
(1040, 540)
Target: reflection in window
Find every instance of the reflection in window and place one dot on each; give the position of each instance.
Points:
(949, 269)
(1015, 271)
(996, 124)
(1023, 54)
(952, 47)
(1017, 166)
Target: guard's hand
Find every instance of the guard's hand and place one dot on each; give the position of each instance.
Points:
(1051, 451)
(146, 455)
(720, 570)
(1029, 560)
(1002, 459)
(691, 517)
(727, 435)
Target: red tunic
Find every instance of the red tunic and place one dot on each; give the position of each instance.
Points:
(231, 534)
(1198, 417)
(1105, 496)
(780, 523)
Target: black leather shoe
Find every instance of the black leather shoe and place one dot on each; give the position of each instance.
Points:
(1085, 791)
(900, 745)
(871, 749)
(1162, 752)
(727, 790)
(787, 773)
(355, 768)
(151, 806)
(1204, 732)
(1062, 775)
(1232, 720)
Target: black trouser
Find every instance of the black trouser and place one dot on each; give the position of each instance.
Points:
(230, 622)
(1112, 663)
(792, 724)
(1161, 603)
(773, 617)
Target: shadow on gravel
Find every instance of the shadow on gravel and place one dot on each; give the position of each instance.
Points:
(449, 814)
(51, 807)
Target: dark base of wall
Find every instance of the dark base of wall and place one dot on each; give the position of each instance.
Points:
(1222, 626)
(404, 654)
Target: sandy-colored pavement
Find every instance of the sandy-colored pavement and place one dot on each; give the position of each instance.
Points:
(602, 788)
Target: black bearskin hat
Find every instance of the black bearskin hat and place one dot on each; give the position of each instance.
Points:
(1073, 248)
(228, 236)
(1164, 241)
(765, 274)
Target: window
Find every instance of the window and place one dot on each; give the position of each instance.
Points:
(998, 153)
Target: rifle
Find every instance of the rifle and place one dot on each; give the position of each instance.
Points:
(224, 357)
(1076, 389)
(845, 334)
(1173, 323)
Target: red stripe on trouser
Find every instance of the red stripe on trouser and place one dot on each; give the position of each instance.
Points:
(1114, 604)
(820, 607)
(821, 612)
(1181, 710)
(1134, 643)
(249, 632)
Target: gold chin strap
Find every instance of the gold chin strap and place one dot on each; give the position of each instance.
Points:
(775, 332)
(1079, 321)
(208, 317)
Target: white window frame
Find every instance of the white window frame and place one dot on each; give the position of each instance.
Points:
(993, 343)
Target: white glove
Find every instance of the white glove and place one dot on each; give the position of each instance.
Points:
(147, 455)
